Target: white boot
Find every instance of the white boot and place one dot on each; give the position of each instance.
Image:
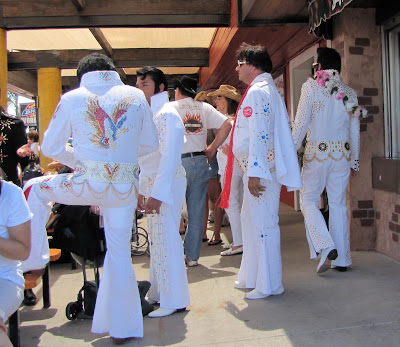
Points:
(161, 312)
(327, 254)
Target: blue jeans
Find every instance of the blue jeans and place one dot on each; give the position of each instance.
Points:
(197, 175)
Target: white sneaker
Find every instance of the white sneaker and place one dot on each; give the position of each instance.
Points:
(278, 291)
(240, 285)
(254, 295)
(191, 263)
(231, 251)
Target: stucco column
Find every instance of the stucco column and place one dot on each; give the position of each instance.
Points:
(3, 69)
(49, 93)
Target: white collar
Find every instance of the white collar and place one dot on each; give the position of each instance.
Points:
(157, 101)
(99, 78)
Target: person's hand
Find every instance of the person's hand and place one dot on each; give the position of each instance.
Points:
(24, 150)
(353, 173)
(140, 203)
(255, 187)
(55, 165)
(3, 326)
(153, 206)
(225, 149)
(210, 152)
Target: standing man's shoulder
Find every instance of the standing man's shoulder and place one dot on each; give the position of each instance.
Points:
(310, 83)
(350, 92)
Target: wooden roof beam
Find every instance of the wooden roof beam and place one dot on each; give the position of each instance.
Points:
(20, 14)
(101, 39)
(79, 4)
(123, 58)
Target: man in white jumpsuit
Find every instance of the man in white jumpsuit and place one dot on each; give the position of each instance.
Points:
(111, 126)
(328, 112)
(162, 181)
(263, 147)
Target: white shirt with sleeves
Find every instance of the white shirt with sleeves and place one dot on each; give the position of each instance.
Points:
(14, 211)
(262, 138)
(97, 114)
(197, 117)
(159, 169)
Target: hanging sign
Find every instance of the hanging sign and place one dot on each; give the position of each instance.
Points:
(322, 10)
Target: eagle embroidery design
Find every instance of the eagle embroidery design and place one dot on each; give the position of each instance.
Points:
(107, 128)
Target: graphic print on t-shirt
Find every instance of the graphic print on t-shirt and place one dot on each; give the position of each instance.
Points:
(193, 123)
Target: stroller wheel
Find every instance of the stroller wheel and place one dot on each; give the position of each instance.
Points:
(72, 310)
(139, 242)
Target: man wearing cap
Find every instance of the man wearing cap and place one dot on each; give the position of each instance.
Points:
(162, 181)
(197, 117)
(262, 144)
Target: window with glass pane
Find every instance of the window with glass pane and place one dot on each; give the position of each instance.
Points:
(392, 91)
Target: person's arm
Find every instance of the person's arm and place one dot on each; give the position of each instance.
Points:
(24, 150)
(260, 113)
(18, 246)
(19, 140)
(303, 115)
(57, 135)
(220, 136)
(354, 140)
(170, 150)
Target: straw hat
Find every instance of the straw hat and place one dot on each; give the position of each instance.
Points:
(202, 96)
(227, 91)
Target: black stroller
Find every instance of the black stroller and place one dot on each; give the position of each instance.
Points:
(79, 231)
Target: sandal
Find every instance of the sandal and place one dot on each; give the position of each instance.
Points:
(214, 242)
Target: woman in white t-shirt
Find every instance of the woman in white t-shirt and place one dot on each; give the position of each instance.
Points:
(15, 245)
(227, 100)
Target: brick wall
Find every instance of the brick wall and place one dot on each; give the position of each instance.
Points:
(358, 40)
(374, 215)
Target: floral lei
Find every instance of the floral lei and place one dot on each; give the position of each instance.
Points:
(354, 110)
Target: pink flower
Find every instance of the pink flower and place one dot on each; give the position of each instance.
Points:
(357, 112)
(322, 76)
(340, 95)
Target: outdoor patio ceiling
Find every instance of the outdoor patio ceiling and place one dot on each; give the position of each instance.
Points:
(187, 37)
(127, 46)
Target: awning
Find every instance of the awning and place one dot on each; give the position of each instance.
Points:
(322, 10)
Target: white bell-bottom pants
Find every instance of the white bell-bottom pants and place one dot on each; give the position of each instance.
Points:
(261, 266)
(168, 278)
(334, 175)
(118, 310)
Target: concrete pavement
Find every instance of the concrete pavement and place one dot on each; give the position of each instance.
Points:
(359, 307)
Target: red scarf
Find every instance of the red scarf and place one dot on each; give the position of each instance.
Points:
(226, 190)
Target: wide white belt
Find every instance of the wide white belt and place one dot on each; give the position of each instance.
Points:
(149, 180)
(107, 172)
(326, 147)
